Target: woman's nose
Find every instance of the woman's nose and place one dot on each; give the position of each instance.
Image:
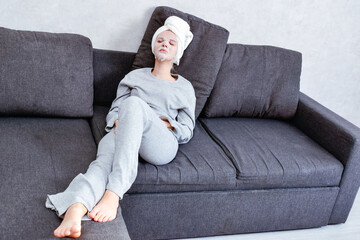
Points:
(165, 44)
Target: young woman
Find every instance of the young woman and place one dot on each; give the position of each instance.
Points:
(153, 112)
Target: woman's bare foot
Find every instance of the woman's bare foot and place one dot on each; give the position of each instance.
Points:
(71, 225)
(106, 209)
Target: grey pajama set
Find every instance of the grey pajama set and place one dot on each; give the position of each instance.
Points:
(142, 100)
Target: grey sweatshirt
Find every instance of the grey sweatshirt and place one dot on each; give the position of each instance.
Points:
(171, 100)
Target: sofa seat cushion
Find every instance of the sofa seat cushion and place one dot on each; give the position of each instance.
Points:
(202, 58)
(272, 153)
(45, 74)
(40, 156)
(199, 164)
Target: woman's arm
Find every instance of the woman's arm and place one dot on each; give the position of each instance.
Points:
(184, 124)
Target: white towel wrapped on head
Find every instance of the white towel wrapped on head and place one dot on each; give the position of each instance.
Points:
(182, 31)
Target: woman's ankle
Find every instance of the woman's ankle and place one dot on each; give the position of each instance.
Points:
(77, 208)
(111, 194)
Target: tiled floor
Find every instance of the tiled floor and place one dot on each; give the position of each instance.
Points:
(347, 231)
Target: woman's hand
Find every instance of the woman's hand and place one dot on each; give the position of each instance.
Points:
(115, 124)
(167, 123)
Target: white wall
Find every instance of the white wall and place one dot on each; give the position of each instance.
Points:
(326, 32)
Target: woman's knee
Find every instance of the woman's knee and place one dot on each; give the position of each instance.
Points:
(161, 157)
(133, 102)
(134, 107)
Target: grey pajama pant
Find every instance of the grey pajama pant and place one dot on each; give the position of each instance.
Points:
(139, 131)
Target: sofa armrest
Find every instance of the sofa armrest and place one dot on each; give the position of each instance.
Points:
(340, 138)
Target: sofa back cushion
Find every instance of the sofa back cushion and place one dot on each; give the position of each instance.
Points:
(201, 60)
(45, 74)
(109, 68)
(256, 81)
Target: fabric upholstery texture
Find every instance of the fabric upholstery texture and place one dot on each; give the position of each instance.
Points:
(201, 60)
(340, 138)
(98, 122)
(45, 74)
(196, 214)
(199, 165)
(41, 156)
(271, 153)
(200, 162)
(256, 81)
(109, 68)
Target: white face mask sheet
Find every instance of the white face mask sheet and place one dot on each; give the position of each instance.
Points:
(163, 53)
(162, 56)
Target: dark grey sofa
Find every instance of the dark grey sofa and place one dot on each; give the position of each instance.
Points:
(264, 156)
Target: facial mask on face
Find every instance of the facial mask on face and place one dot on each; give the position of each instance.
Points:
(161, 56)
(163, 53)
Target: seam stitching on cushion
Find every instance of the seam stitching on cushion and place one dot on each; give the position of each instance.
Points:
(223, 147)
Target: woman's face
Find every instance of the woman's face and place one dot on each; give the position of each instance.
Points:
(166, 46)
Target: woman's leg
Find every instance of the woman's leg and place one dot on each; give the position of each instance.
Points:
(84, 191)
(140, 131)
(87, 188)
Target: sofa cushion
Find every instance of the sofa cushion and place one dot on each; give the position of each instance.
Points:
(198, 166)
(109, 68)
(256, 81)
(98, 122)
(272, 153)
(40, 156)
(45, 74)
(201, 60)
